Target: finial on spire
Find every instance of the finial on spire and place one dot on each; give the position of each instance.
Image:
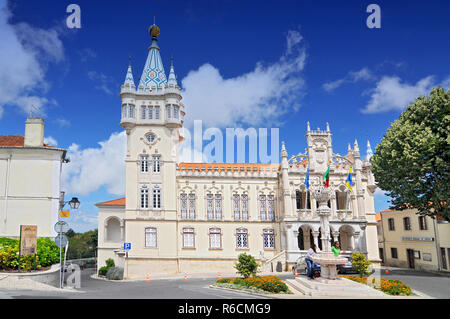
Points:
(308, 128)
(154, 29)
(154, 18)
(328, 127)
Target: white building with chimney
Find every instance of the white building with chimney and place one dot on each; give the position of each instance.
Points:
(30, 179)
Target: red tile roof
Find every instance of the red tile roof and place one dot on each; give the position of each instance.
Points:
(114, 202)
(15, 140)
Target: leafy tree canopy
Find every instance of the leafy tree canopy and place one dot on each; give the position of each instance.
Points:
(412, 161)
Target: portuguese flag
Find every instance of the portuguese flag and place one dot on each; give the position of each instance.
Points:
(326, 178)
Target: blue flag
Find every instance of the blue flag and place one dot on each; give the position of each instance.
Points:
(307, 178)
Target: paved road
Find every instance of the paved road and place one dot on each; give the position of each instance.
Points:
(195, 288)
(433, 285)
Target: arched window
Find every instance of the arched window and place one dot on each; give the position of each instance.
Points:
(113, 230)
(303, 199)
(341, 199)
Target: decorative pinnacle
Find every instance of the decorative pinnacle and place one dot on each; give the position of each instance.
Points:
(328, 127)
(308, 128)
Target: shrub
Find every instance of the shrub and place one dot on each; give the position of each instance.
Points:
(109, 262)
(103, 270)
(246, 266)
(115, 273)
(46, 249)
(361, 264)
(388, 286)
(271, 284)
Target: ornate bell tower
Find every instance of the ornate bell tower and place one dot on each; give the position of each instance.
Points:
(152, 115)
(319, 149)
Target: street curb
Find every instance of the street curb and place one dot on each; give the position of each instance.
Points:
(243, 291)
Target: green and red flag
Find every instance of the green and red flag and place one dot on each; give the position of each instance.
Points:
(326, 178)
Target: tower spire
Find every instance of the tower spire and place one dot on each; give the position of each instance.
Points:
(172, 77)
(369, 152)
(153, 73)
(129, 80)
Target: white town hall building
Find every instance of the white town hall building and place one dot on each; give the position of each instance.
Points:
(198, 217)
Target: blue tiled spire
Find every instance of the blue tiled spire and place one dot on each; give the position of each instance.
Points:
(153, 74)
(129, 80)
(172, 76)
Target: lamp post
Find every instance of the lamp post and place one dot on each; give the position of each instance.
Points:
(74, 203)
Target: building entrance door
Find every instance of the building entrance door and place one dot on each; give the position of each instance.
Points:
(410, 256)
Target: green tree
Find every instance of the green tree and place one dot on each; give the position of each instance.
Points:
(83, 245)
(361, 264)
(412, 161)
(246, 265)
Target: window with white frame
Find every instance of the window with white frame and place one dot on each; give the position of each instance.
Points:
(143, 112)
(150, 237)
(188, 238)
(124, 111)
(183, 206)
(214, 206)
(144, 163)
(176, 112)
(156, 197)
(215, 238)
(156, 160)
(269, 238)
(168, 111)
(241, 238)
(244, 202)
(267, 207)
(144, 197)
(187, 206)
(156, 112)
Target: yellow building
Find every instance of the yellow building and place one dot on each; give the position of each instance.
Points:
(198, 217)
(409, 240)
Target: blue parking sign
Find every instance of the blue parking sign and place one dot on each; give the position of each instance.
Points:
(127, 246)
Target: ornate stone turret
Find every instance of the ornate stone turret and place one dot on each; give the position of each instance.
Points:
(285, 179)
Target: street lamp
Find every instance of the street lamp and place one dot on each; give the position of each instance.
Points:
(74, 203)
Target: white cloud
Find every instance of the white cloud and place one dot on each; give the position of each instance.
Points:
(24, 55)
(81, 221)
(259, 96)
(92, 168)
(391, 94)
(351, 77)
(62, 122)
(50, 140)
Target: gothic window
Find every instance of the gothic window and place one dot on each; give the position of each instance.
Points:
(176, 112)
(236, 207)
(241, 238)
(262, 206)
(214, 206)
(168, 111)
(150, 137)
(191, 206)
(215, 240)
(156, 159)
(183, 206)
(269, 238)
(131, 111)
(244, 207)
(341, 200)
(124, 111)
(303, 200)
(143, 112)
(150, 237)
(188, 238)
(144, 163)
(156, 197)
(156, 112)
(218, 206)
(150, 112)
(144, 197)
(210, 206)
(267, 207)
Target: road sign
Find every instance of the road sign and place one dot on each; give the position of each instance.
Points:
(61, 227)
(127, 246)
(61, 240)
(65, 213)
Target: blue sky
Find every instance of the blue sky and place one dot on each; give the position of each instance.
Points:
(301, 61)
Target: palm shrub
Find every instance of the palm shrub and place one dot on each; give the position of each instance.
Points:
(246, 265)
(361, 264)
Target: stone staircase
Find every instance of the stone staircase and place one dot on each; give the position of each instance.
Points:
(337, 288)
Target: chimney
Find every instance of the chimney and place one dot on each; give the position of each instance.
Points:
(34, 132)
